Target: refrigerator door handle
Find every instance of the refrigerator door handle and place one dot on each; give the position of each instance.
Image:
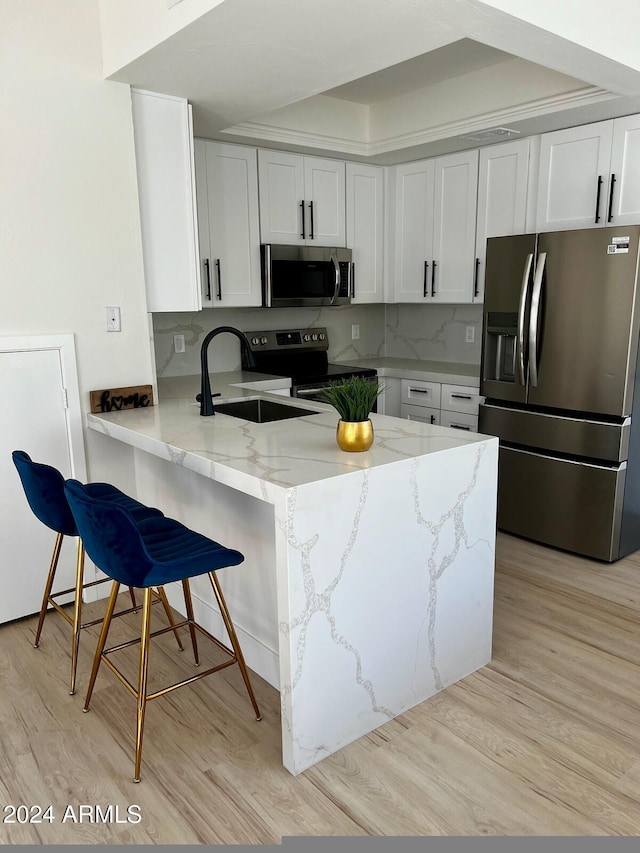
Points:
(521, 315)
(534, 319)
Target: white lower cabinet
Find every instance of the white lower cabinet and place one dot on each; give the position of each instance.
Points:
(424, 414)
(448, 405)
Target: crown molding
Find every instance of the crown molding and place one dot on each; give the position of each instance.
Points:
(531, 109)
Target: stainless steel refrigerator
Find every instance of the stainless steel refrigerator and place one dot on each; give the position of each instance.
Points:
(558, 373)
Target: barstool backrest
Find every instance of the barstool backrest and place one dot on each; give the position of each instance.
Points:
(110, 536)
(44, 487)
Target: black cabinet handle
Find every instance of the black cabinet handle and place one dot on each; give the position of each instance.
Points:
(353, 279)
(459, 426)
(433, 278)
(598, 198)
(433, 419)
(424, 283)
(208, 269)
(302, 234)
(311, 211)
(219, 278)
(613, 182)
(418, 390)
(476, 277)
(460, 396)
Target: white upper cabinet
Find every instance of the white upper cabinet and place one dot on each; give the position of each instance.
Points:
(365, 230)
(503, 178)
(435, 229)
(413, 230)
(624, 198)
(454, 227)
(166, 189)
(228, 226)
(302, 199)
(590, 176)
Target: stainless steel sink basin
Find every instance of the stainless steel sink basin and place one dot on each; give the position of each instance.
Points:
(261, 411)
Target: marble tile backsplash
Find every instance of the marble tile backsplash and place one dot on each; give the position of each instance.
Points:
(432, 332)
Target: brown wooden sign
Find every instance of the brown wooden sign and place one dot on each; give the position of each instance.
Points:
(115, 399)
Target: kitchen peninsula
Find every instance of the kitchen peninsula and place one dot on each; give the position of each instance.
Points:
(368, 580)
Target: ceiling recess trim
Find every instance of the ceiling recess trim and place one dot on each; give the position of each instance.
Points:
(461, 129)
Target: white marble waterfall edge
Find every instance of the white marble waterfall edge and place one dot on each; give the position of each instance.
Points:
(389, 594)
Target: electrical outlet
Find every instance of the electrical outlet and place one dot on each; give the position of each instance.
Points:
(178, 343)
(113, 319)
(355, 332)
(470, 335)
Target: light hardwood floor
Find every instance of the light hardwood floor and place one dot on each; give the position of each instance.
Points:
(543, 741)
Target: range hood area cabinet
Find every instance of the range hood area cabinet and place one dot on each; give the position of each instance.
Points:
(228, 225)
(302, 199)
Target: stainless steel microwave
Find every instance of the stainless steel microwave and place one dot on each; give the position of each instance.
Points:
(295, 276)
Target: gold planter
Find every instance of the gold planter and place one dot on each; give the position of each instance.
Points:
(354, 435)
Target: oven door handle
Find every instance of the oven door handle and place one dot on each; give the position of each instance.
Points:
(337, 284)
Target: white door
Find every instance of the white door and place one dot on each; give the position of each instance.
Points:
(574, 177)
(283, 207)
(33, 418)
(365, 230)
(623, 200)
(454, 227)
(324, 187)
(414, 231)
(234, 231)
(502, 199)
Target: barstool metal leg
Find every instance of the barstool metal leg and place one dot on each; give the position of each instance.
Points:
(111, 606)
(77, 615)
(162, 595)
(189, 607)
(142, 679)
(132, 595)
(57, 545)
(224, 611)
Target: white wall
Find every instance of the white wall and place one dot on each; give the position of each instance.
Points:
(69, 217)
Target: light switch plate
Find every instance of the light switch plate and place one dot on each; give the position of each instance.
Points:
(470, 334)
(113, 319)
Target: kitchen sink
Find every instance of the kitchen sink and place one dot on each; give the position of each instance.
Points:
(261, 411)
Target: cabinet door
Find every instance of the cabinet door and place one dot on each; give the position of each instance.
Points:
(623, 200)
(163, 139)
(234, 233)
(574, 177)
(283, 207)
(365, 230)
(454, 227)
(502, 199)
(202, 206)
(423, 414)
(414, 231)
(324, 187)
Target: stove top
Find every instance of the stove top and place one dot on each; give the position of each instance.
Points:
(300, 354)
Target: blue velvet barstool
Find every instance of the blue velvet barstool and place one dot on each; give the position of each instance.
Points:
(143, 554)
(44, 489)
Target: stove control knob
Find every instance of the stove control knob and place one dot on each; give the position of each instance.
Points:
(314, 337)
(321, 336)
(263, 340)
(255, 341)
(306, 337)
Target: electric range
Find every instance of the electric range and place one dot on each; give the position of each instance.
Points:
(302, 355)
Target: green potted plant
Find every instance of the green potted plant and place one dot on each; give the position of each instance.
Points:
(353, 399)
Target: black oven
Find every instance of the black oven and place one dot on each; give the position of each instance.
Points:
(302, 355)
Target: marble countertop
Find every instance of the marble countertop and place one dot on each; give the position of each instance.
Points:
(263, 459)
(427, 371)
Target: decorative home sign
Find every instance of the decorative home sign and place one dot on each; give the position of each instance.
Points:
(115, 399)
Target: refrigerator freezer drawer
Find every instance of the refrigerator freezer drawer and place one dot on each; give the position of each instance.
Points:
(570, 505)
(557, 434)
